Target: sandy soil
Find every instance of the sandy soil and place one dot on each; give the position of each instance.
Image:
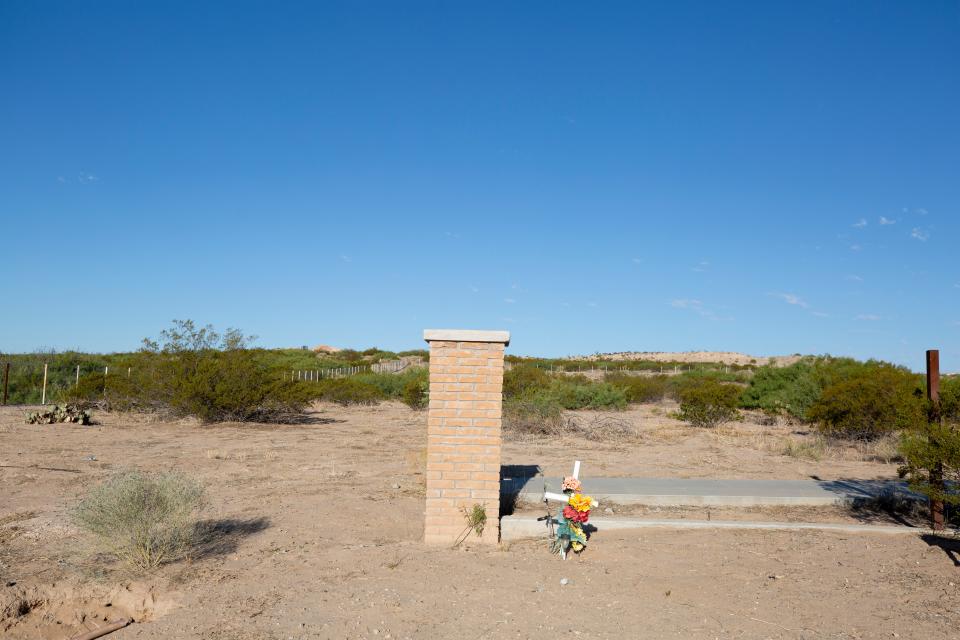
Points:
(319, 543)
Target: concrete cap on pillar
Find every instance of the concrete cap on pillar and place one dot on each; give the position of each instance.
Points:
(466, 335)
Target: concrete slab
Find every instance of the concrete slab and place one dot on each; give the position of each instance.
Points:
(521, 527)
(702, 491)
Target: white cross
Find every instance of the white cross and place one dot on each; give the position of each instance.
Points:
(562, 497)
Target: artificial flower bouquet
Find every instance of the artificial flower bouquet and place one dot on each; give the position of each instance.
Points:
(571, 518)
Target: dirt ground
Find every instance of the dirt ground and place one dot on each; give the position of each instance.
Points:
(321, 524)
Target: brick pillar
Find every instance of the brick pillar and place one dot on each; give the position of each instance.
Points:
(463, 431)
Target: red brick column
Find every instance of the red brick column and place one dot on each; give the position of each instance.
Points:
(464, 431)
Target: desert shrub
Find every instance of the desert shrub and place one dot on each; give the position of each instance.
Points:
(416, 390)
(347, 391)
(535, 416)
(145, 519)
(873, 401)
(679, 384)
(524, 380)
(931, 448)
(584, 394)
(108, 392)
(709, 403)
(197, 372)
(791, 390)
(640, 388)
(390, 384)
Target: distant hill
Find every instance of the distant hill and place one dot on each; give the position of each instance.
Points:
(723, 357)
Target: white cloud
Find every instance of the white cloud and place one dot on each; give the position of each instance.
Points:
(636, 260)
(860, 224)
(346, 258)
(920, 234)
(84, 178)
(921, 211)
(591, 304)
(696, 306)
(509, 300)
(853, 278)
(475, 289)
(855, 247)
(869, 317)
(820, 314)
(885, 221)
(791, 298)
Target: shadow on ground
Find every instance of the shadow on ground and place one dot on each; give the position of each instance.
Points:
(512, 479)
(223, 537)
(879, 501)
(950, 546)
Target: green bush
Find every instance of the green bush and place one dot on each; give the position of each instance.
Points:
(347, 391)
(574, 393)
(791, 390)
(874, 401)
(523, 380)
(640, 388)
(392, 385)
(416, 391)
(709, 404)
(109, 393)
(931, 447)
(197, 372)
(145, 519)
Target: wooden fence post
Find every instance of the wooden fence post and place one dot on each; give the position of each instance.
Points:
(6, 381)
(77, 384)
(43, 397)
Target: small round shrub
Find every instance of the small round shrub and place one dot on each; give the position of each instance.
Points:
(709, 403)
(145, 519)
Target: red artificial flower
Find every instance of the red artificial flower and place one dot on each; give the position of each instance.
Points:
(576, 516)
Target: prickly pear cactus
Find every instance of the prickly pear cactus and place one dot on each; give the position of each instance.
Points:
(67, 413)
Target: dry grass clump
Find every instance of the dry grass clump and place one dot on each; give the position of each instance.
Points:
(531, 419)
(817, 447)
(145, 519)
(806, 449)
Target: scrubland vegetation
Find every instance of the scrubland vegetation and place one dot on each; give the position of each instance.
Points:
(196, 371)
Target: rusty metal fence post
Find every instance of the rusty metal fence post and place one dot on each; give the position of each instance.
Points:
(936, 474)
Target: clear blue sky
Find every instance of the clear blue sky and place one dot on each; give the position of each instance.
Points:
(766, 177)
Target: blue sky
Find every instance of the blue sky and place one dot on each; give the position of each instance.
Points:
(762, 177)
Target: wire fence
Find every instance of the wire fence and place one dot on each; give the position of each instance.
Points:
(37, 382)
(27, 383)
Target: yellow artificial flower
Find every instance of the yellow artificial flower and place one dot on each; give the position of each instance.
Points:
(577, 546)
(581, 502)
(577, 531)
